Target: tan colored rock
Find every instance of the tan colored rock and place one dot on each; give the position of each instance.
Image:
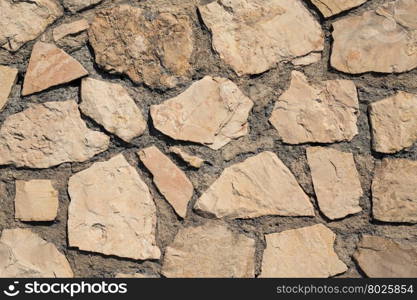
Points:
(110, 105)
(246, 145)
(333, 102)
(245, 32)
(261, 185)
(307, 60)
(69, 28)
(192, 160)
(336, 181)
(135, 275)
(23, 254)
(170, 180)
(48, 134)
(212, 112)
(382, 40)
(394, 122)
(112, 211)
(8, 77)
(209, 250)
(333, 7)
(394, 193)
(303, 252)
(77, 5)
(156, 52)
(35, 200)
(23, 21)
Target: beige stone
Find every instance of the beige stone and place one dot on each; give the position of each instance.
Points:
(112, 211)
(383, 258)
(394, 122)
(298, 109)
(382, 40)
(192, 160)
(136, 275)
(303, 252)
(209, 250)
(394, 193)
(336, 181)
(246, 145)
(8, 77)
(307, 60)
(212, 112)
(170, 180)
(245, 34)
(333, 7)
(69, 29)
(77, 5)
(110, 105)
(23, 254)
(35, 200)
(260, 185)
(156, 52)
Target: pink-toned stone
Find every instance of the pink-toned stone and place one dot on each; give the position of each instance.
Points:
(192, 160)
(69, 28)
(8, 77)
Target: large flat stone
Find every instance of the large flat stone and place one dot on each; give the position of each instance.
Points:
(8, 77)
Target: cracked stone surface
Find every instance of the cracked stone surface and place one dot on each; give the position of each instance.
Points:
(192, 160)
(70, 29)
(77, 5)
(333, 7)
(8, 77)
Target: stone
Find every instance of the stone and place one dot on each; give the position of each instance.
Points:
(8, 77)
(336, 181)
(333, 102)
(330, 8)
(155, 51)
(245, 35)
(212, 112)
(23, 254)
(69, 29)
(77, 5)
(209, 250)
(394, 122)
(50, 66)
(246, 145)
(112, 211)
(48, 134)
(307, 60)
(170, 180)
(110, 105)
(394, 193)
(304, 252)
(35, 200)
(192, 160)
(382, 40)
(23, 21)
(136, 275)
(261, 185)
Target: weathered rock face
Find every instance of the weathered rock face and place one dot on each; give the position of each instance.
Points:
(333, 102)
(261, 185)
(77, 5)
(394, 122)
(23, 21)
(212, 112)
(303, 252)
(24, 254)
(246, 37)
(50, 66)
(336, 181)
(110, 105)
(48, 134)
(209, 250)
(383, 258)
(192, 160)
(156, 52)
(333, 7)
(69, 28)
(394, 193)
(112, 211)
(8, 78)
(384, 40)
(170, 180)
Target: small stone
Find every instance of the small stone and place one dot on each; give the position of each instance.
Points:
(170, 180)
(333, 102)
(136, 275)
(394, 122)
(333, 7)
(307, 60)
(110, 105)
(77, 5)
(69, 29)
(246, 145)
(209, 250)
(192, 160)
(112, 211)
(212, 112)
(304, 252)
(8, 77)
(23, 254)
(336, 181)
(35, 200)
(261, 185)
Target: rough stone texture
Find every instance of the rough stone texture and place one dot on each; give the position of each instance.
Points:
(333, 7)
(333, 102)
(23, 254)
(209, 250)
(246, 37)
(110, 105)
(302, 252)
(246, 145)
(261, 185)
(8, 78)
(77, 5)
(48, 134)
(394, 122)
(336, 181)
(212, 112)
(192, 160)
(170, 180)
(69, 29)
(394, 193)
(307, 60)
(36, 200)
(112, 211)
